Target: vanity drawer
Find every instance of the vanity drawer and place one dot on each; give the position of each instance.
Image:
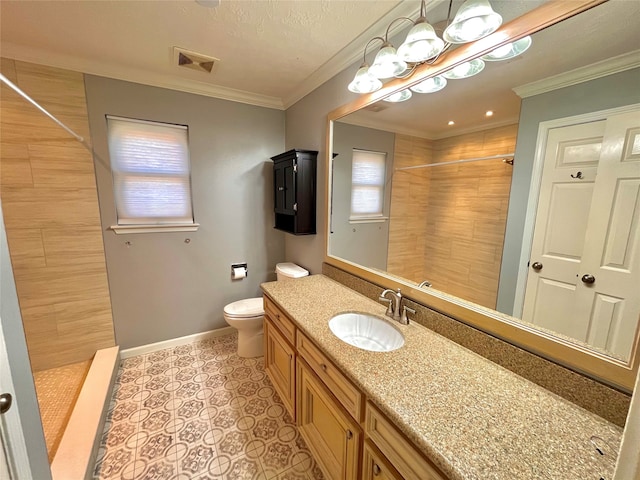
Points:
(280, 320)
(375, 466)
(347, 394)
(397, 449)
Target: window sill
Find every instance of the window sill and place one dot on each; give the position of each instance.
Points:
(122, 229)
(368, 219)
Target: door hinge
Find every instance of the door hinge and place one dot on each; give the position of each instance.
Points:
(295, 207)
(295, 169)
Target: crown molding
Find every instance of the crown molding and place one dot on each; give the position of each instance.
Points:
(384, 126)
(352, 53)
(606, 67)
(135, 75)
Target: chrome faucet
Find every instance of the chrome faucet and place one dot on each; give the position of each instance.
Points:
(394, 302)
(426, 283)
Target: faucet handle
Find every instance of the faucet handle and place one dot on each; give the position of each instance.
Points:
(388, 301)
(405, 318)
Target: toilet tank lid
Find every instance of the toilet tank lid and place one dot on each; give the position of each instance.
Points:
(291, 270)
(249, 307)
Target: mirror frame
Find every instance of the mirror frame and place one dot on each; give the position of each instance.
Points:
(592, 363)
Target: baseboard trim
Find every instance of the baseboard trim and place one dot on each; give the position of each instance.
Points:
(76, 454)
(174, 342)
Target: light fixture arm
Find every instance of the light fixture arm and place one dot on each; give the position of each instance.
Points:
(364, 56)
(386, 35)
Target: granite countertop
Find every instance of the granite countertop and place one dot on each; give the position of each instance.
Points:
(471, 417)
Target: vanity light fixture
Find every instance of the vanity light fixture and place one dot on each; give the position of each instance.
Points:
(489, 113)
(364, 82)
(465, 70)
(421, 43)
(451, 122)
(475, 19)
(509, 50)
(387, 63)
(400, 96)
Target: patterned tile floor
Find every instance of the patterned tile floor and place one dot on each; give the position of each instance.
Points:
(199, 412)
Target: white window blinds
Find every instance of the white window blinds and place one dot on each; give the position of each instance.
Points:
(367, 184)
(151, 174)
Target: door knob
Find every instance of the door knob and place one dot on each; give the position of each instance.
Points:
(588, 279)
(5, 402)
(537, 266)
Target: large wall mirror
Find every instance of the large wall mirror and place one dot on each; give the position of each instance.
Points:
(509, 200)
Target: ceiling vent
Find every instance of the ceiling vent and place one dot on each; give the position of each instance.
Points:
(193, 60)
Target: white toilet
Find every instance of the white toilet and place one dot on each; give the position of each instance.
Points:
(247, 315)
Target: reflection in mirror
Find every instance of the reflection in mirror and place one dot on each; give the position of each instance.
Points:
(523, 227)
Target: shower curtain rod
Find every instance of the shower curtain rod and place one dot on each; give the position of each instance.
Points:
(505, 156)
(35, 104)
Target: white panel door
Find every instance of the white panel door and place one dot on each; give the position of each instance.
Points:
(570, 166)
(587, 235)
(611, 304)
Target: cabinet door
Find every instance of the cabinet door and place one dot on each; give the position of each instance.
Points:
(331, 435)
(284, 179)
(375, 466)
(279, 363)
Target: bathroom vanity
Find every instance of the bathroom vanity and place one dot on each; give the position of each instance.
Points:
(430, 410)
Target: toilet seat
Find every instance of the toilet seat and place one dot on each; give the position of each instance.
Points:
(246, 308)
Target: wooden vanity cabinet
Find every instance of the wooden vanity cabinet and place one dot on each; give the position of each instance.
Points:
(348, 436)
(331, 434)
(351, 399)
(375, 466)
(279, 356)
(396, 449)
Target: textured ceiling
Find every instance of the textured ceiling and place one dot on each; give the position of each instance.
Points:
(266, 47)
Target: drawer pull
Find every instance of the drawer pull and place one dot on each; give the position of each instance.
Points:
(376, 469)
(349, 434)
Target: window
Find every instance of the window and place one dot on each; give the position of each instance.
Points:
(367, 185)
(151, 175)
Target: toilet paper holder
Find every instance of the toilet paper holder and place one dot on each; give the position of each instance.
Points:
(235, 266)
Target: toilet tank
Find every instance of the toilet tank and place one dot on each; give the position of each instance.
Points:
(287, 271)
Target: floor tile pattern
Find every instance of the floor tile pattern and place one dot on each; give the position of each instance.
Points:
(200, 412)
(57, 390)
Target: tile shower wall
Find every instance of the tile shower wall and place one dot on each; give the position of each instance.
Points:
(52, 219)
(199, 411)
(579, 389)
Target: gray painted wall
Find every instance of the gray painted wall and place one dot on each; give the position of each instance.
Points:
(162, 287)
(362, 243)
(603, 93)
(24, 393)
(306, 124)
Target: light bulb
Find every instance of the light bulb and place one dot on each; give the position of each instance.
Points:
(509, 50)
(400, 96)
(475, 19)
(465, 70)
(387, 64)
(364, 82)
(421, 44)
(430, 85)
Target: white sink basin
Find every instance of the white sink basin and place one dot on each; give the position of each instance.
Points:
(366, 331)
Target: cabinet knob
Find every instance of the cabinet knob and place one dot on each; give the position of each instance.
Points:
(324, 367)
(349, 434)
(280, 189)
(376, 469)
